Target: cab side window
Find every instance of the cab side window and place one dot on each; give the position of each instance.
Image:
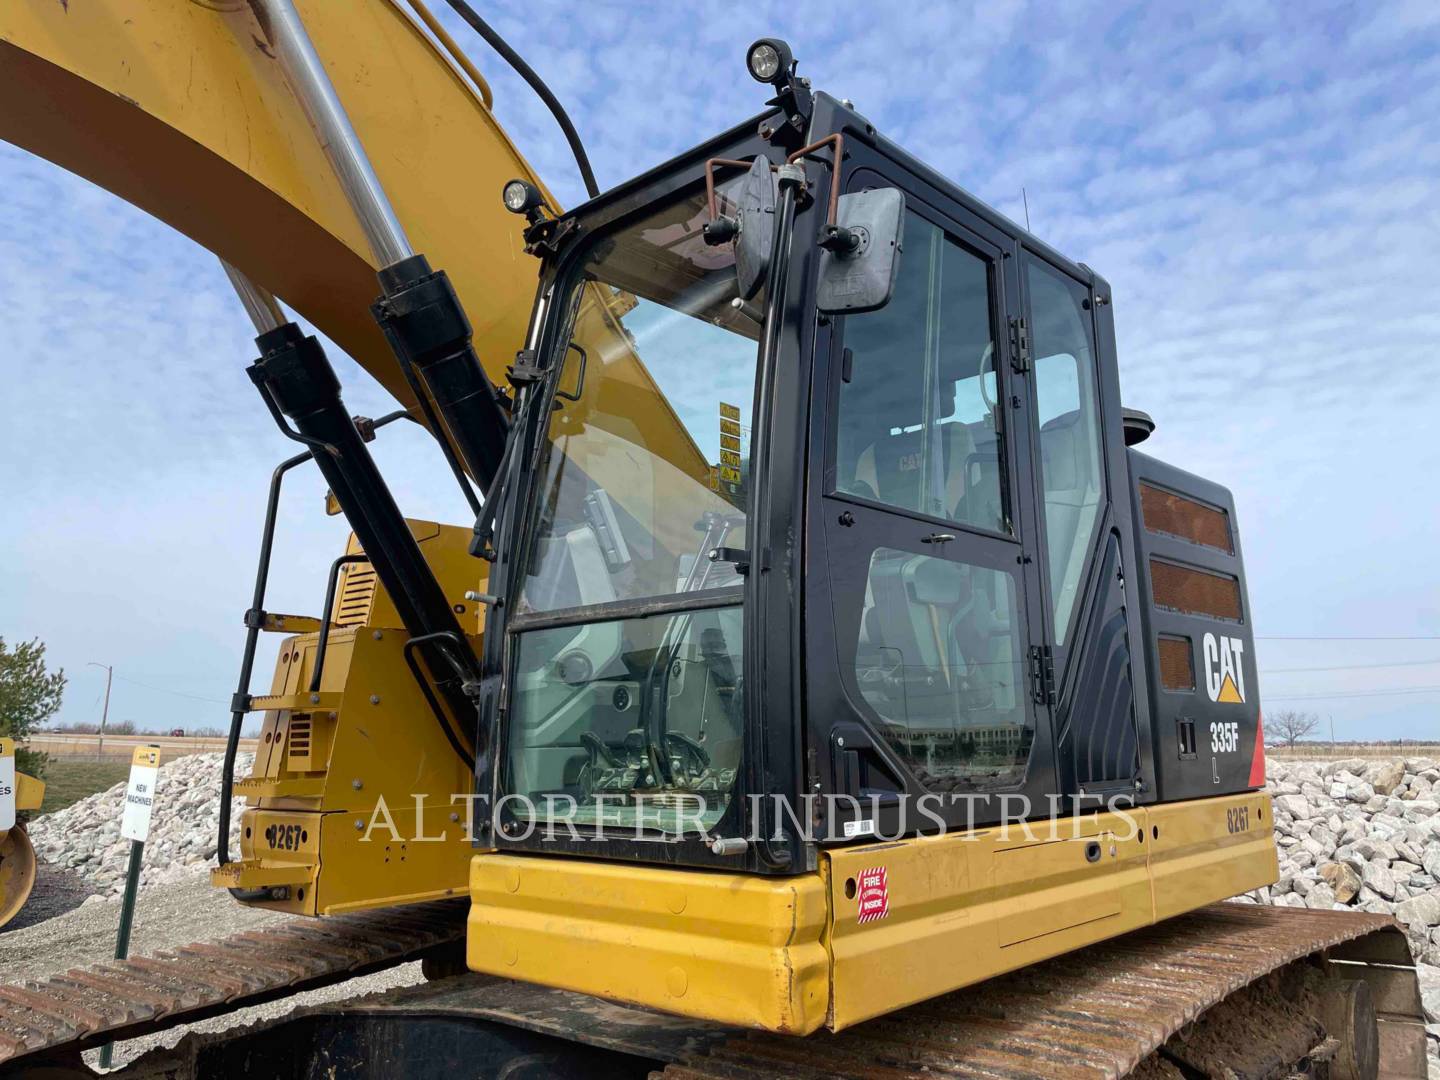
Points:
(918, 425)
(1069, 419)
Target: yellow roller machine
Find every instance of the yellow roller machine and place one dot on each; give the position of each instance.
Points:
(18, 792)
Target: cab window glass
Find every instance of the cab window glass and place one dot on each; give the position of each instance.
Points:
(1069, 419)
(941, 662)
(918, 427)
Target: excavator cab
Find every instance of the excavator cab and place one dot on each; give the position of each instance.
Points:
(819, 573)
(873, 550)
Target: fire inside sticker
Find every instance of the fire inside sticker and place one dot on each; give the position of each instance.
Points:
(872, 893)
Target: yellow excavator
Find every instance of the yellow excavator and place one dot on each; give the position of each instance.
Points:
(819, 681)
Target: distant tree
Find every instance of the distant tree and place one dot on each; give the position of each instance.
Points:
(1292, 726)
(30, 694)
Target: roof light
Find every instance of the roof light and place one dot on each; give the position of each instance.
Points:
(769, 60)
(521, 197)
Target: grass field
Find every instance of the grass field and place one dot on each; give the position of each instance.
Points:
(1353, 750)
(69, 781)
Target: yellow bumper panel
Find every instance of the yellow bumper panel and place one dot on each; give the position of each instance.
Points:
(877, 927)
(1210, 849)
(735, 948)
(964, 907)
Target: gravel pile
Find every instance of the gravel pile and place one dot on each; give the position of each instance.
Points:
(1364, 834)
(85, 839)
(1361, 834)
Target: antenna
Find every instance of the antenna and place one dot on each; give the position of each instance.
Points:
(1026, 200)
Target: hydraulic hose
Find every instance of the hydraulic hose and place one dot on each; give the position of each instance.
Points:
(526, 72)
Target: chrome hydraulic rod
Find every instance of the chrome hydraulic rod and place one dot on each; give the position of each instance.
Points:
(259, 303)
(307, 77)
(419, 311)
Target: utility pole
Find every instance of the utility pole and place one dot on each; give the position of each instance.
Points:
(105, 710)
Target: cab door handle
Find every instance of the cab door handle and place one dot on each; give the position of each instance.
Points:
(937, 538)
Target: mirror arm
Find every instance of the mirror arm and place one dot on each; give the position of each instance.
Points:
(842, 241)
(710, 167)
(837, 142)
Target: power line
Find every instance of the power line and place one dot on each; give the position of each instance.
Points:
(1349, 667)
(1395, 691)
(175, 693)
(1420, 637)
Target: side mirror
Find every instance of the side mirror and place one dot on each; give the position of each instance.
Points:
(755, 213)
(862, 252)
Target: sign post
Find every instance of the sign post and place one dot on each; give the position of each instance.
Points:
(135, 827)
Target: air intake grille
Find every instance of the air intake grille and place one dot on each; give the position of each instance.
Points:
(357, 592)
(1194, 592)
(298, 742)
(1175, 515)
(1177, 664)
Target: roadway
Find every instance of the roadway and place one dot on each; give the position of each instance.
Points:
(120, 747)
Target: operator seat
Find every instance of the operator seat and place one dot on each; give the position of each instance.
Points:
(889, 469)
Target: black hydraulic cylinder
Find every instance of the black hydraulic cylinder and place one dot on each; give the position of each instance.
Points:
(295, 376)
(426, 326)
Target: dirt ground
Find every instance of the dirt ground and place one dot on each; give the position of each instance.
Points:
(57, 891)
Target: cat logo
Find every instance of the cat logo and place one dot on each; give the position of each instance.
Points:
(1224, 672)
(909, 462)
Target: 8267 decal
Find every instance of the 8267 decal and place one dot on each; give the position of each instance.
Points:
(1237, 819)
(285, 837)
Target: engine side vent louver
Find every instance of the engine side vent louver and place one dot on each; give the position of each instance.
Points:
(299, 738)
(357, 593)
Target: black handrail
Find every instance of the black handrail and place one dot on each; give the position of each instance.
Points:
(255, 622)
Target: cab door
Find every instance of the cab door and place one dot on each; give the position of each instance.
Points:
(1092, 624)
(923, 589)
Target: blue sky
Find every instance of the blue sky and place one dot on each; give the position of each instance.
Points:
(1257, 181)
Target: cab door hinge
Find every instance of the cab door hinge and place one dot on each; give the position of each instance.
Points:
(1042, 675)
(1019, 345)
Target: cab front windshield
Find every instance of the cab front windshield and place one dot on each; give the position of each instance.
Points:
(627, 677)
